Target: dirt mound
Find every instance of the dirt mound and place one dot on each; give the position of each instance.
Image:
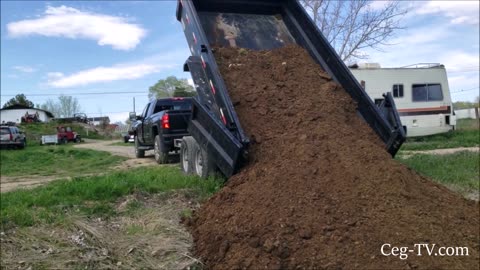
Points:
(320, 190)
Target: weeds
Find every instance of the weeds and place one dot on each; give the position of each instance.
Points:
(95, 195)
(60, 160)
(458, 171)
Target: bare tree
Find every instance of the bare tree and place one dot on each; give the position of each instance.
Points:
(66, 106)
(351, 26)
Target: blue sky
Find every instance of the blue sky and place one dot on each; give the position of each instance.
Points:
(51, 48)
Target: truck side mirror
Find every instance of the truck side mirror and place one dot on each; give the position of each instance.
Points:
(132, 116)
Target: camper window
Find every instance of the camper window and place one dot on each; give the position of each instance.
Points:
(435, 92)
(398, 90)
(427, 92)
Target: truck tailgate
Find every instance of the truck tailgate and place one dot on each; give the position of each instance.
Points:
(178, 121)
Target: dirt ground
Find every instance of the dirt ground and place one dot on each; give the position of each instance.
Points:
(146, 234)
(11, 183)
(445, 151)
(320, 191)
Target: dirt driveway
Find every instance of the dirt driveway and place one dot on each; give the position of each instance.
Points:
(10, 183)
(446, 151)
(118, 150)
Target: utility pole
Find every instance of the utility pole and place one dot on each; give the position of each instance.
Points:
(134, 104)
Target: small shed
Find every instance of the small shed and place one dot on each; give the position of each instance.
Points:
(15, 113)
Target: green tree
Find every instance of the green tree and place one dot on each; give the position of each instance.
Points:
(168, 86)
(19, 99)
(464, 105)
(182, 92)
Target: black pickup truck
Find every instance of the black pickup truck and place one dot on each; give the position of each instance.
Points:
(162, 121)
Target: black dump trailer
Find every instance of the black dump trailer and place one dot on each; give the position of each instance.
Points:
(218, 138)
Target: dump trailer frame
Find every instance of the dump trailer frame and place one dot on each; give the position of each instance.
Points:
(214, 123)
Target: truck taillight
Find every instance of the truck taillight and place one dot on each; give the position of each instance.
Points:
(11, 137)
(165, 123)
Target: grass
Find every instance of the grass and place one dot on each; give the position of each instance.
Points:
(94, 195)
(58, 160)
(466, 135)
(459, 170)
(468, 124)
(34, 131)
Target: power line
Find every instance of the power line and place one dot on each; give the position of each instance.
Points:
(466, 90)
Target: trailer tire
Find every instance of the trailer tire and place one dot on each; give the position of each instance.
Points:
(202, 163)
(161, 155)
(138, 152)
(187, 154)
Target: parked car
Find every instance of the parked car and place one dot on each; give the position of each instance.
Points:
(11, 136)
(128, 137)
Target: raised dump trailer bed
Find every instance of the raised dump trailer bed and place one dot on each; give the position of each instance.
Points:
(261, 25)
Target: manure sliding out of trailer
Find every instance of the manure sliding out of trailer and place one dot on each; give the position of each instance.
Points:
(217, 140)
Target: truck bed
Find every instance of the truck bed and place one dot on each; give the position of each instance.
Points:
(260, 25)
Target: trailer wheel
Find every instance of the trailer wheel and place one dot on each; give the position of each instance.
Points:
(202, 163)
(187, 154)
(161, 155)
(138, 152)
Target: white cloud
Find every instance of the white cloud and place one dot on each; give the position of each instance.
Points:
(102, 74)
(459, 61)
(25, 69)
(72, 23)
(54, 75)
(167, 61)
(460, 12)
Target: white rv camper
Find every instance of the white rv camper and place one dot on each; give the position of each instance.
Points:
(420, 91)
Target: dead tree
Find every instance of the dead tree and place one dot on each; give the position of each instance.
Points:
(351, 26)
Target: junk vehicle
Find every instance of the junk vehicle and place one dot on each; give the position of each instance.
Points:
(162, 121)
(64, 135)
(80, 117)
(129, 136)
(217, 139)
(11, 136)
(420, 91)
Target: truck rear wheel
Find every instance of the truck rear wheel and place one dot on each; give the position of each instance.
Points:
(187, 154)
(202, 163)
(161, 155)
(138, 152)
